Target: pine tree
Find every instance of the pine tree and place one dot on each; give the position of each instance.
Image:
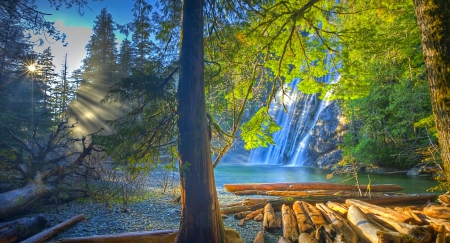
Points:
(142, 29)
(100, 64)
(47, 76)
(125, 59)
(99, 73)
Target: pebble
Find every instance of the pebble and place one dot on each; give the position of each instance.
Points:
(154, 213)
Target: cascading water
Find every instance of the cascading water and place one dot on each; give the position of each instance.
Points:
(291, 142)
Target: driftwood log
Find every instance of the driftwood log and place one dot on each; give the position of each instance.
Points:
(323, 234)
(303, 223)
(421, 234)
(370, 231)
(314, 214)
(306, 238)
(338, 207)
(259, 237)
(269, 222)
(160, 236)
(340, 225)
(304, 186)
(47, 234)
(251, 216)
(283, 240)
(290, 231)
(410, 212)
(385, 212)
(438, 212)
(22, 228)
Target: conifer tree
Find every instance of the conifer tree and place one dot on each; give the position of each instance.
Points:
(142, 29)
(99, 72)
(47, 76)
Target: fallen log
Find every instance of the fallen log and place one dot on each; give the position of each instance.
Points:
(259, 217)
(283, 240)
(410, 212)
(252, 202)
(386, 212)
(250, 192)
(441, 233)
(306, 238)
(323, 234)
(47, 234)
(269, 223)
(289, 224)
(250, 216)
(438, 212)
(340, 225)
(338, 207)
(22, 228)
(421, 234)
(314, 214)
(159, 236)
(304, 186)
(19, 199)
(303, 223)
(256, 203)
(235, 209)
(444, 199)
(259, 237)
(370, 231)
(241, 215)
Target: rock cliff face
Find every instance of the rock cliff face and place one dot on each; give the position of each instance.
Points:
(323, 142)
(308, 136)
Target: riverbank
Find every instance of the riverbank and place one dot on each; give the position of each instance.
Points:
(157, 212)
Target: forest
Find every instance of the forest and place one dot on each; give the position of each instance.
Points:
(192, 78)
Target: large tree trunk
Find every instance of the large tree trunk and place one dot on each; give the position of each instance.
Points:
(18, 199)
(433, 19)
(21, 229)
(200, 213)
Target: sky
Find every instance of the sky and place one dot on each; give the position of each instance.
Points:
(78, 28)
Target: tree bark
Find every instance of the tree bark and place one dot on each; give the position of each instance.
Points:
(21, 229)
(433, 19)
(290, 231)
(18, 199)
(201, 220)
(419, 233)
(303, 222)
(438, 212)
(161, 236)
(385, 212)
(259, 237)
(370, 231)
(48, 233)
(269, 223)
(340, 225)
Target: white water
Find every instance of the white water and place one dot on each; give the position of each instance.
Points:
(291, 142)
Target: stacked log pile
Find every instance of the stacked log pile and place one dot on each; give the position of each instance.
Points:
(355, 221)
(347, 219)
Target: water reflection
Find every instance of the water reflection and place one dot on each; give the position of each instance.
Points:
(245, 173)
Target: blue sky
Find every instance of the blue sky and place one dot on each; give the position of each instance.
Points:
(78, 28)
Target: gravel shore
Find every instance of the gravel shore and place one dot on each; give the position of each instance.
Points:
(158, 212)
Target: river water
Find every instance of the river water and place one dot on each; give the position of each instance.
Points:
(228, 173)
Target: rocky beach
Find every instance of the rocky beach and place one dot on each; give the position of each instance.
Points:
(157, 212)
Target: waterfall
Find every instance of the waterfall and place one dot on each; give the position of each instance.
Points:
(291, 142)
